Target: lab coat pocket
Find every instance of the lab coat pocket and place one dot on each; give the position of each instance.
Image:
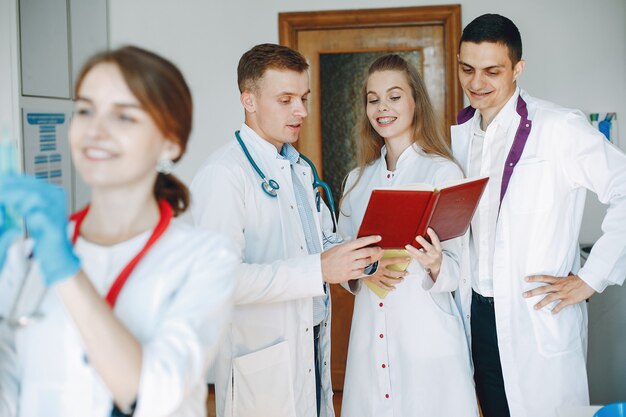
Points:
(263, 383)
(530, 189)
(559, 333)
(444, 304)
(445, 327)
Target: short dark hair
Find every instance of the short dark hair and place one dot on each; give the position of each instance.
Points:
(496, 29)
(256, 61)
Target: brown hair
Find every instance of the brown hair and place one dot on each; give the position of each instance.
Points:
(163, 93)
(260, 58)
(427, 131)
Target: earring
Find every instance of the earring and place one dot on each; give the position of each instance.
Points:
(165, 166)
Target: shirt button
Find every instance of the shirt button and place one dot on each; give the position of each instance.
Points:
(381, 335)
(468, 316)
(309, 370)
(380, 305)
(291, 206)
(386, 395)
(384, 366)
(306, 330)
(324, 363)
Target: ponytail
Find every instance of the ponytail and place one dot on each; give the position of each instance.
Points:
(169, 188)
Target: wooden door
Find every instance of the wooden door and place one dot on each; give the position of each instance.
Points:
(346, 41)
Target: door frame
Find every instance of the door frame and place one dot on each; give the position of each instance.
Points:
(446, 16)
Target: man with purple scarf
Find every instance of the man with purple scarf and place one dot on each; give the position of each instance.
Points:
(523, 290)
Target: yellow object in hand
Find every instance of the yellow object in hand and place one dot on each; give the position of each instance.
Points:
(389, 253)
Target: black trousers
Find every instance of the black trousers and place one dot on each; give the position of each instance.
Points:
(318, 382)
(486, 357)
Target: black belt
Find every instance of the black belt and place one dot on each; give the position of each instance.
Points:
(481, 299)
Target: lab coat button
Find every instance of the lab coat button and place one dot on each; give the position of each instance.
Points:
(306, 330)
(468, 316)
(324, 363)
(309, 370)
(464, 280)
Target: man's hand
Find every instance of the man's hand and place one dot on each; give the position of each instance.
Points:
(386, 278)
(569, 290)
(346, 261)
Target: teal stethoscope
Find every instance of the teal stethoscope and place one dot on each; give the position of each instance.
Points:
(270, 186)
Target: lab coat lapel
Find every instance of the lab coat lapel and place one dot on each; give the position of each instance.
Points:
(267, 158)
(461, 140)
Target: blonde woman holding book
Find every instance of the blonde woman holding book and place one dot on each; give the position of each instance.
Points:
(408, 355)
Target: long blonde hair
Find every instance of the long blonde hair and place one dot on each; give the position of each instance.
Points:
(427, 132)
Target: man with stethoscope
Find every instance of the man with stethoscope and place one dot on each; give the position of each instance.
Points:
(257, 189)
(523, 278)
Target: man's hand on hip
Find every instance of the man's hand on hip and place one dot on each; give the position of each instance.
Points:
(567, 290)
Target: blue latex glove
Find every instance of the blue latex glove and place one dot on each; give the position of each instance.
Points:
(43, 208)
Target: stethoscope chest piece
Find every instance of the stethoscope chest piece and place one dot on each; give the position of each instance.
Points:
(269, 187)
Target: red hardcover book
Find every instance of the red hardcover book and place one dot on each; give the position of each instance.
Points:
(400, 214)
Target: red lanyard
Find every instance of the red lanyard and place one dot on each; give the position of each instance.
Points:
(166, 215)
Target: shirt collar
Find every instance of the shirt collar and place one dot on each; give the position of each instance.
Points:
(290, 153)
(506, 114)
(406, 155)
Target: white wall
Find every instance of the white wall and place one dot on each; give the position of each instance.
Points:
(9, 109)
(575, 52)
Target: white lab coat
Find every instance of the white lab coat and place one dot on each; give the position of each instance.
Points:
(407, 355)
(543, 355)
(265, 365)
(176, 303)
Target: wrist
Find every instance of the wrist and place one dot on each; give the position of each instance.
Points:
(370, 269)
(60, 265)
(434, 273)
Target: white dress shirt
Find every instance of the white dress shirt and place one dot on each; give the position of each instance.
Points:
(488, 150)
